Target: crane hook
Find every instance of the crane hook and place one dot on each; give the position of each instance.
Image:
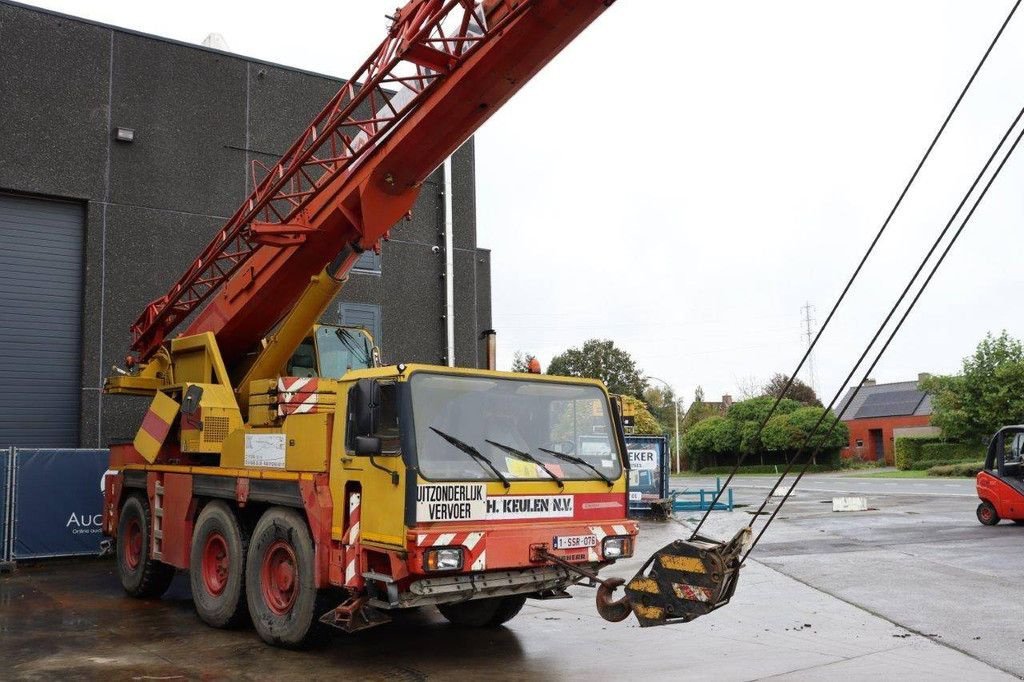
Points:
(613, 610)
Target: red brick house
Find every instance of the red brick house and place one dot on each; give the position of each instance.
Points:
(880, 412)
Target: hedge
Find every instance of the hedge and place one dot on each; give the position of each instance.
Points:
(766, 469)
(923, 453)
(959, 469)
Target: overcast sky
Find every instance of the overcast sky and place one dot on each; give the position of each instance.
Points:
(687, 175)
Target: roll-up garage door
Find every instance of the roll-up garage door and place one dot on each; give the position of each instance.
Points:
(40, 321)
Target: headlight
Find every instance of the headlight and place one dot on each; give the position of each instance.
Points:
(446, 559)
(617, 547)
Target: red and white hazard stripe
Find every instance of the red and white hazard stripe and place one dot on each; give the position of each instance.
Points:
(296, 395)
(473, 544)
(352, 576)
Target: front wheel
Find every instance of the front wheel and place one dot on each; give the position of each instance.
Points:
(482, 613)
(987, 514)
(279, 578)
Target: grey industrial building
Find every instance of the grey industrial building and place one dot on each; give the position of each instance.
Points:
(93, 228)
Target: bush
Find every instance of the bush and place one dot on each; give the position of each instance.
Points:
(906, 450)
(919, 454)
(960, 452)
(766, 469)
(855, 463)
(960, 469)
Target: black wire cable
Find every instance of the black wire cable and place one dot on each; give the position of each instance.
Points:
(888, 317)
(903, 318)
(860, 266)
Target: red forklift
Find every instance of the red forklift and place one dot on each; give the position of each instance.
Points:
(1001, 484)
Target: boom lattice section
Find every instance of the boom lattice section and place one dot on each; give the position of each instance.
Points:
(427, 42)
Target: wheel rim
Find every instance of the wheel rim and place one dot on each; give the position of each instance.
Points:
(133, 544)
(216, 564)
(986, 514)
(279, 577)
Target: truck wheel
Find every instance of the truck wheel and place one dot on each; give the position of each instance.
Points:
(481, 613)
(279, 578)
(987, 514)
(217, 566)
(141, 576)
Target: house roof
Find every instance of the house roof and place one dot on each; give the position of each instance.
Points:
(899, 399)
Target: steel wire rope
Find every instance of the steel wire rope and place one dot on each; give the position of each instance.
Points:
(860, 265)
(885, 323)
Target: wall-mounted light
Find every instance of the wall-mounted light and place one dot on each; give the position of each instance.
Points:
(124, 134)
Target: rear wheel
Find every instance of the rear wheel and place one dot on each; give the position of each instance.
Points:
(279, 578)
(482, 613)
(987, 514)
(141, 575)
(217, 566)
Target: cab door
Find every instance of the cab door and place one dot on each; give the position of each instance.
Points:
(370, 465)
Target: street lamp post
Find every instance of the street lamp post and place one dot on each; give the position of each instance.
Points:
(675, 447)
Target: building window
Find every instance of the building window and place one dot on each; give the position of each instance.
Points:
(365, 315)
(368, 263)
(860, 443)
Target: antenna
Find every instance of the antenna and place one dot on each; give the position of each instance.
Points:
(809, 332)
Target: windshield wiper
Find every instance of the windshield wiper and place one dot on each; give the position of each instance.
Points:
(580, 462)
(474, 453)
(519, 454)
(345, 336)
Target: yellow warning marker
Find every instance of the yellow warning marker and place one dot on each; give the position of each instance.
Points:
(687, 564)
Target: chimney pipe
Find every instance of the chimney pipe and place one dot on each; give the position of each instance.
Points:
(921, 376)
(490, 337)
(869, 382)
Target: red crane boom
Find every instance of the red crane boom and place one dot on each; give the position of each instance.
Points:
(356, 169)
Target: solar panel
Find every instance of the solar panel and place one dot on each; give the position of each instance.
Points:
(890, 404)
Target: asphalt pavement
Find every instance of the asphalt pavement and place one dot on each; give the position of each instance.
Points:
(918, 558)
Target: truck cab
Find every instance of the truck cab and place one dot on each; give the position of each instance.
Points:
(466, 477)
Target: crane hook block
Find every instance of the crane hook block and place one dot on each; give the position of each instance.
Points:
(686, 579)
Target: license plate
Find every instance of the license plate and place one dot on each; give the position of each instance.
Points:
(574, 541)
(635, 496)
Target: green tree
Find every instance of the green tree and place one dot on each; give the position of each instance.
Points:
(987, 394)
(799, 391)
(644, 423)
(600, 359)
(521, 361)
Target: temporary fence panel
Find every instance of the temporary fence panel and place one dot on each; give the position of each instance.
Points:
(648, 471)
(5, 500)
(58, 502)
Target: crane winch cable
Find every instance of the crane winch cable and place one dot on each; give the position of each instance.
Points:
(906, 313)
(860, 265)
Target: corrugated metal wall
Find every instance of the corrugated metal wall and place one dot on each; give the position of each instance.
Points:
(40, 321)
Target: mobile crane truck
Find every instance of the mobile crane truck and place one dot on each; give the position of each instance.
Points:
(294, 478)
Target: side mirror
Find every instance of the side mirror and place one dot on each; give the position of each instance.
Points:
(190, 402)
(367, 398)
(368, 445)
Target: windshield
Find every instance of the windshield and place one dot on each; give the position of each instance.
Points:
(565, 428)
(341, 350)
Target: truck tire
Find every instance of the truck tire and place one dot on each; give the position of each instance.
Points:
(483, 613)
(217, 566)
(279, 578)
(141, 576)
(987, 514)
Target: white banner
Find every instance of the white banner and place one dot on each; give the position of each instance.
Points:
(451, 502)
(643, 460)
(530, 507)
